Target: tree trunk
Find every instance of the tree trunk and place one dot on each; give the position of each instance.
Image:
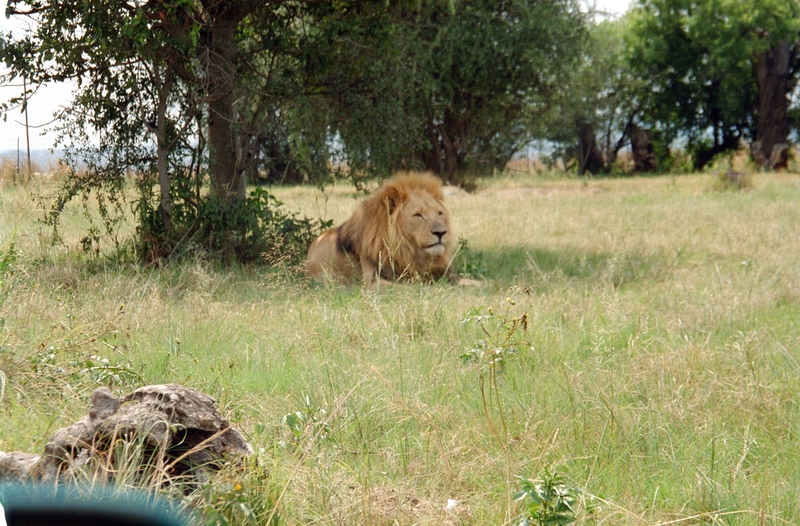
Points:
(227, 174)
(443, 159)
(644, 158)
(449, 158)
(590, 159)
(703, 156)
(162, 150)
(772, 76)
(433, 162)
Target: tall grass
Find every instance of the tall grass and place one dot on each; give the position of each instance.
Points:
(659, 369)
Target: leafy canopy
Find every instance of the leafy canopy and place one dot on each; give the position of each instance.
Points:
(698, 57)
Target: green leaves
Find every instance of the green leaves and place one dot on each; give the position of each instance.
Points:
(698, 56)
(503, 336)
(310, 423)
(454, 89)
(549, 501)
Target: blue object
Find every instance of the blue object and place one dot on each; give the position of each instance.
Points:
(69, 505)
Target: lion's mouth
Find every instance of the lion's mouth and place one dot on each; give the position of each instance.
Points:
(436, 249)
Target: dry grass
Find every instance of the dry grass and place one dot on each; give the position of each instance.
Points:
(660, 367)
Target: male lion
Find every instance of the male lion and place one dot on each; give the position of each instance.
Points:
(401, 231)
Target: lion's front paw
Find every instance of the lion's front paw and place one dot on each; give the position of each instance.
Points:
(467, 282)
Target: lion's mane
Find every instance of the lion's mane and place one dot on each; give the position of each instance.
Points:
(401, 231)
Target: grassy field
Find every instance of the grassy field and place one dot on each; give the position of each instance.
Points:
(639, 337)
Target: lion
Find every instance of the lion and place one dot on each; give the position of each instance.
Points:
(400, 232)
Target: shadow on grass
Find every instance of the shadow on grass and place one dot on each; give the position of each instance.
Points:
(541, 268)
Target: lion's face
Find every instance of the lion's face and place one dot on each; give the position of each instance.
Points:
(425, 222)
(402, 231)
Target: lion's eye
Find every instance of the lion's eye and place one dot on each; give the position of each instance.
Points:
(418, 215)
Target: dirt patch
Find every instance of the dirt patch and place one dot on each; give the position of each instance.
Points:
(395, 507)
(454, 191)
(543, 191)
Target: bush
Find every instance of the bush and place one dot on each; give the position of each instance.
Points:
(254, 230)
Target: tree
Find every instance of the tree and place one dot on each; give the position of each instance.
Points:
(488, 71)
(774, 27)
(598, 104)
(190, 95)
(702, 59)
(160, 94)
(453, 88)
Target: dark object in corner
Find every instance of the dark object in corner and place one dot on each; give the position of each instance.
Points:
(65, 505)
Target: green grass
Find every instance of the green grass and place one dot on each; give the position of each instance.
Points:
(659, 371)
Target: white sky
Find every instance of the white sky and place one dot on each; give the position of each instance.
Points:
(50, 99)
(614, 6)
(40, 108)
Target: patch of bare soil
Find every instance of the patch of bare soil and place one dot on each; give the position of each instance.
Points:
(394, 507)
(543, 191)
(454, 191)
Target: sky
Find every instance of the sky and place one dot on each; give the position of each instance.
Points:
(48, 100)
(614, 6)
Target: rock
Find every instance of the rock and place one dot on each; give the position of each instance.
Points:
(68, 442)
(168, 415)
(16, 466)
(179, 423)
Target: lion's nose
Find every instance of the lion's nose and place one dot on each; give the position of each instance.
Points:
(439, 231)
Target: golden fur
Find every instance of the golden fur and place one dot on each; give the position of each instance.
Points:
(401, 231)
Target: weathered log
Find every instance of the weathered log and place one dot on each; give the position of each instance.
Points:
(179, 423)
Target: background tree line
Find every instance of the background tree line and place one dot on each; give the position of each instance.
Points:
(199, 97)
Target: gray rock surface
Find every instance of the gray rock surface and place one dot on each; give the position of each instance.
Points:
(178, 424)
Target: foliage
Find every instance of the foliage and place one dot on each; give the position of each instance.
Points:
(102, 202)
(446, 87)
(143, 105)
(487, 74)
(697, 57)
(308, 423)
(502, 335)
(257, 229)
(83, 356)
(92, 370)
(237, 499)
(468, 262)
(599, 91)
(190, 97)
(548, 501)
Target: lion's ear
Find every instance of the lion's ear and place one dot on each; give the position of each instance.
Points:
(392, 198)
